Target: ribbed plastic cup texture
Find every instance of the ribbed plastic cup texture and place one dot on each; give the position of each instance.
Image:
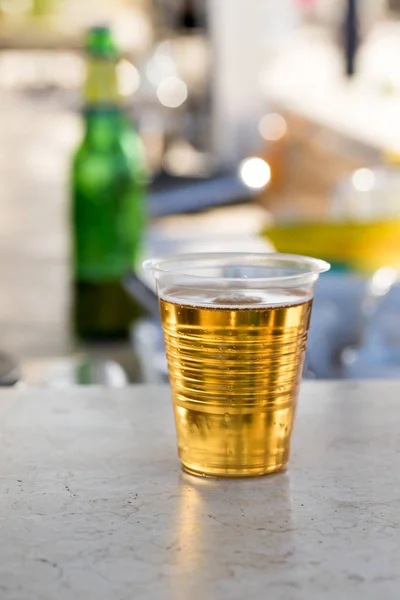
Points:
(235, 329)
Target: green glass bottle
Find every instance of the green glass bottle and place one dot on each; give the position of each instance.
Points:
(108, 189)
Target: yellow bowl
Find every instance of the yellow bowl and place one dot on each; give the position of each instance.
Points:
(360, 246)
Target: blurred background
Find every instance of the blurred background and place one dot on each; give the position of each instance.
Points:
(255, 125)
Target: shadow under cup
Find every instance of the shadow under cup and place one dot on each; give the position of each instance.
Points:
(235, 328)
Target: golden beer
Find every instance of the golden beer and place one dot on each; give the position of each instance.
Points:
(235, 361)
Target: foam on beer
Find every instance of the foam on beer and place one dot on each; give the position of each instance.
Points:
(235, 299)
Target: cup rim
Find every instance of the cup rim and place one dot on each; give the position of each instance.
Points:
(164, 265)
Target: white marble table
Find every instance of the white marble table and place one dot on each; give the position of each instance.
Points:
(93, 504)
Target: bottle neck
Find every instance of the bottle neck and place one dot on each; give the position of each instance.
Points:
(103, 110)
(101, 85)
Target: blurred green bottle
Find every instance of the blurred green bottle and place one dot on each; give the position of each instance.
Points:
(108, 183)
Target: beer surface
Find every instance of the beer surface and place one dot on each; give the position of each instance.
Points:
(235, 361)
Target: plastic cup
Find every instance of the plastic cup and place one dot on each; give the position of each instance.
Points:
(235, 328)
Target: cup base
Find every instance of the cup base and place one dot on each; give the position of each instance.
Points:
(234, 473)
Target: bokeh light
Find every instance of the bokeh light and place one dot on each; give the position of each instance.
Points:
(255, 172)
(172, 92)
(363, 180)
(382, 280)
(272, 127)
(129, 78)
